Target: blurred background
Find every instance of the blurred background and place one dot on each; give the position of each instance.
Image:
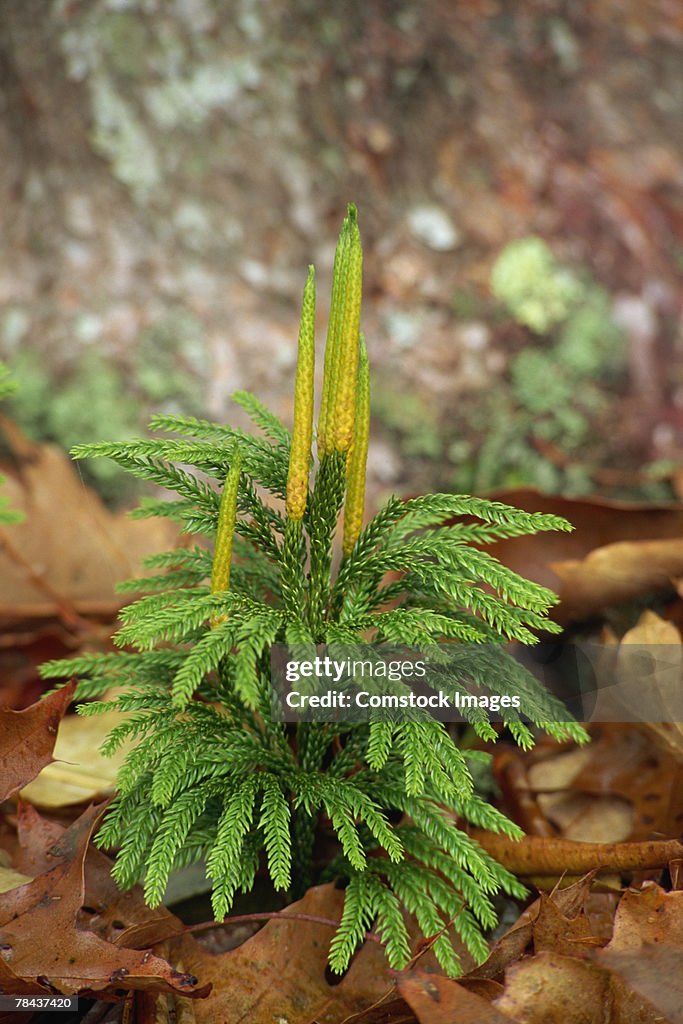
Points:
(170, 167)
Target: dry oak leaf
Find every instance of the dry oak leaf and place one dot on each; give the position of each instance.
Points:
(122, 918)
(27, 739)
(558, 933)
(280, 973)
(40, 936)
(570, 902)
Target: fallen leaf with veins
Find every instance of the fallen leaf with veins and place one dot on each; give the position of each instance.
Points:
(41, 937)
(27, 739)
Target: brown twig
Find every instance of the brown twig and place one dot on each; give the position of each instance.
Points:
(534, 855)
(270, 915)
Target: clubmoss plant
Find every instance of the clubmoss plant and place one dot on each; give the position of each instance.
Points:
(211, 774)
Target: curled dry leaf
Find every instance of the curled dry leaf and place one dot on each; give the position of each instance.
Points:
(585, 817)
(621, 763)
(27, 739)
(616, 574)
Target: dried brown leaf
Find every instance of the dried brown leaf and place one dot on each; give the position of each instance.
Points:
(438, 1000)
(654, 973)
(663, 642)
(41, 937)
(27, 739)
(616, 574)
(558, 933)
(621, 762)
(554, 989)
(646, 949)
(618, 551)
(280, 973)
(66, 557)
(569, 901)
(119, 917)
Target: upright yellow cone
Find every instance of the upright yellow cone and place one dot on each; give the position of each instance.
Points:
(337, 412)
(227, 515)
(302, 433)
(324, 436)
(358, 456)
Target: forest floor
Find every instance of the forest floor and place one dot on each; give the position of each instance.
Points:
(600, 938)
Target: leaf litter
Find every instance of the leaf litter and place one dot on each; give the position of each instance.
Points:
(604, 947)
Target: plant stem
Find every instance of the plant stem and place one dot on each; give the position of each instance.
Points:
(326, 503)
(291, 575)
(271, 915)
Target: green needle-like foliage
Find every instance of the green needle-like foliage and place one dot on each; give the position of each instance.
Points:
(210, 774)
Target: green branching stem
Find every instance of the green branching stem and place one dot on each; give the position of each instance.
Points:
(326, 503)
